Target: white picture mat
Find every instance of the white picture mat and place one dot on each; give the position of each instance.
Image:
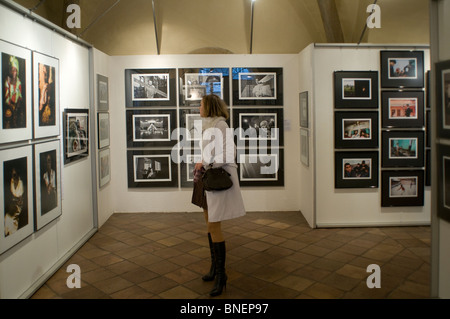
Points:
(103, 130)
(151, 116)
(163, 156)
(104, 165)
(270, 74)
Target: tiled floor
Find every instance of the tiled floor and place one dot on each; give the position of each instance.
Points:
(272, 255)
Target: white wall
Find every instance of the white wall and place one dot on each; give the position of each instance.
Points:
(25, 263)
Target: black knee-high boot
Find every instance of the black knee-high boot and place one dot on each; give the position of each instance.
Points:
(221, 277)
(212, 271)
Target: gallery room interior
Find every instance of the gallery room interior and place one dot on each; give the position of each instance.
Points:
(339, 115)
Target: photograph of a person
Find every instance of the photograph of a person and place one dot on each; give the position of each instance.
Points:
(152, 168)
(358, 88)
(403, 186)
(151, 128)
(49, 181)
(402, 108)
(77, 137)
(446, 99)
(258, 125)
(198, 85)
(402, 148)
(150, 87)
(256, 167)
(356, 129)
(47, 95)
(359, 168)
(405, 68)
(257, 86)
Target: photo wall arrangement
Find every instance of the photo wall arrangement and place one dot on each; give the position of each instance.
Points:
(162, 109)
(103, 129)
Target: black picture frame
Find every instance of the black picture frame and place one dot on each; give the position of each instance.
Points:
(352, 128)
(428, 90)
(396, 150)
(428, 128)
(151, 168)
(443, 99)
(304, 111)
(443, 175)
(428, 167)
(402, 188)
(149, 128)
(187, 164)
(362, 169)
(257, 86)
(150, 87)
(187, 121)
(356, 89)
(75, 134)
(402, 69)
(402, 109)
(194, 83)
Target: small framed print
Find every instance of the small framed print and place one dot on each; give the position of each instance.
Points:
(187, 165)
(355, 89)
(304, 146)
(356, 169)
(76, 134)
(151, 168)
(16, 200)
(304, 112)
(402, 69)
(191, 123)
(443, 174)
(16, 87)
(102, 93)
(104, 167)
(194, 83)
(257, 86)
(48, 182)
(259, 167)
(403, 149)
(443, 98)
(356, 129)
(103, 129)
(147, 128)
(46, 95)
(402, 109)
(150, 87)
(402, 188)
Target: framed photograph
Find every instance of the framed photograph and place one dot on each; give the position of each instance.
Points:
(187, 167)
(76, 134)
(355, 129)
(427, 167)
(261, 167)
(402, 69)
(356, 89)
(16, 200)
(102, 93)
(428, 90)
(151, 168)
(48, 182)
(443, 98)
(257, 86)
(443, 174)
(403, 149)
(402, 188)
(194, 83)
(428, 128)
(104, 167)
(191, 121)
(146, 128)
(103, 129)
(16, 87)
(150, 87)
(46, 95)
(304, 146)
(402, 109)
(304, 112)
(259, 126)
(356, 169)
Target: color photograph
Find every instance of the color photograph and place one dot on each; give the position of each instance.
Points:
(403, 186)
(356, 89)
(402, 68)
(356, 129)
(400, 108)
(403, 148)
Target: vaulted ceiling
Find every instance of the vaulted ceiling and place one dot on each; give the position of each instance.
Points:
(126, 27)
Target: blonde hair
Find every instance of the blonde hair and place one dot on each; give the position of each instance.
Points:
(214, 106)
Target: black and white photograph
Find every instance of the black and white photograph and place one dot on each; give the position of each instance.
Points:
(76, 134)
(261, 167)
(187, 168)
(48, 182)
(102, 93)
(191, 124)
(16, 112)
(16, 200)
(443, 181)
(403, 149)
(443, 98)
(356, 89)
(104, 167)
(356, 169)
(304, 146)
(46, 95)
(304, 112)
(402, 69)
(356, 129)
(402, 109)
(402, 188)
(103, 129)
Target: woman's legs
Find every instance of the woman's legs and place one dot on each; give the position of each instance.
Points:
(214, 228)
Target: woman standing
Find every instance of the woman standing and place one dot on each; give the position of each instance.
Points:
(218, 148)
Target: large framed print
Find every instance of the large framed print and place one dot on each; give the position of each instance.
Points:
(46, 95)
(16, 200)
(76, 134)
(304, 146)
(356, 89)
(259, 126)
(356, 169)
(150, 87)
(443, 175)
(261, 167)
(257, 86)
(402, 109)
(304, 112)
(47, 158)
(103, 129)
(402, 188)
(187, 167)
(147, 128)
(151, 168)
(16, 93)
(402, 69)
(356, 129)
(443, 98)
(194, 83)
(403, 149)
(104, 165)
(102, 93)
